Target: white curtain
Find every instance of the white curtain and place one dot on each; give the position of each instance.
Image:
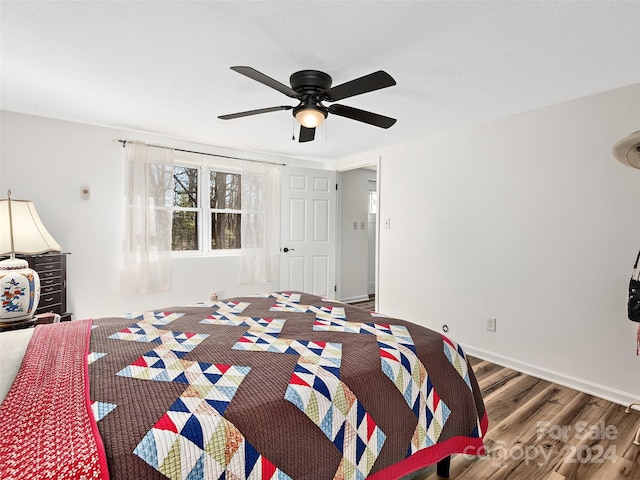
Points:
(260, 223)
(149, 201)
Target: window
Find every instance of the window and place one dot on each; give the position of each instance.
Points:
(373, 202)
(185, 209)
(206, 222)
(225, 196)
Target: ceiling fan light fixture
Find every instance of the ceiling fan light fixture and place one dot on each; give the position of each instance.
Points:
(310, 116)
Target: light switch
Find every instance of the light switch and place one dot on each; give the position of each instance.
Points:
(361, 225)
(355, 225)
(85, 192)
(387, 223)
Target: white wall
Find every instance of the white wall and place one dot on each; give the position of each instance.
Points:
(47, 161)
(354, 243)
(528, 219)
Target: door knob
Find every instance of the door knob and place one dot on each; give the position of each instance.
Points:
(285, 249)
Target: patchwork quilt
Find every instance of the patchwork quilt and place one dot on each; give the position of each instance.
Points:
(277, 386)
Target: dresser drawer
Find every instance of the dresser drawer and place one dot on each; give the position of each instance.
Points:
(48, 267)
(53, 287)
(49, 300)
(46, 259)
(51, 275)
(50, 281)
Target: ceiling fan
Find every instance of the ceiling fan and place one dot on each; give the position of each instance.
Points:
(311, 88)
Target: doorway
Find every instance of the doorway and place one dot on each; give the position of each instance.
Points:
(358, 233)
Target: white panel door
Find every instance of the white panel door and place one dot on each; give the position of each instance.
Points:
(308, 231)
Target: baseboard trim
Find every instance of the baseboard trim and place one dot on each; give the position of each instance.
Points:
(602, 391)
(359, 298)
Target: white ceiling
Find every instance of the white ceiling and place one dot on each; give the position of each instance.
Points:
(163, 67)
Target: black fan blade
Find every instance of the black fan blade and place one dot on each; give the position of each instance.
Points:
(362, 116)
(265, 80)
(254, 112)
(306, 134)
(368, 83)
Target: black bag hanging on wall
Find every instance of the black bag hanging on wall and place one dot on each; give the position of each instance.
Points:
(634, 293)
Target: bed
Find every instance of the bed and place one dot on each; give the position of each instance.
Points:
(277, 386)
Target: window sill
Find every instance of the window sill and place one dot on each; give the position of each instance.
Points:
(210, 254)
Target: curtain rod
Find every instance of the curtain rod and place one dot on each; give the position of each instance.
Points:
(124, 144)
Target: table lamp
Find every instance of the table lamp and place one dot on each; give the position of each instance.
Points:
(21, 232)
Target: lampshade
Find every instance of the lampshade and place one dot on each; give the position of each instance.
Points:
(627, 150)
(21, 230)
(310, 117)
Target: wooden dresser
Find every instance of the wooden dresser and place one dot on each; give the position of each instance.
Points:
(52, 268)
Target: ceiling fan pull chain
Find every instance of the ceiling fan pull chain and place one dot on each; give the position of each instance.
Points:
(293, 130)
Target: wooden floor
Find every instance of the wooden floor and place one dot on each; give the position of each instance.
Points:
(542, 431)
(539, 430)
(367, 304)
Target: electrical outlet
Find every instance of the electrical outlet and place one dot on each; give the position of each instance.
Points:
(491, 324)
